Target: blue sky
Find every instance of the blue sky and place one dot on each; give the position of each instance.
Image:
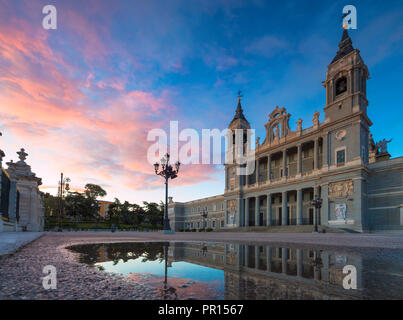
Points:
(81, 98)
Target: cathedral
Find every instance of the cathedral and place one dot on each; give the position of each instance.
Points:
(336, 162)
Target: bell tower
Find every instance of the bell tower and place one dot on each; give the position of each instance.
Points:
(346, 77)
(238, 124)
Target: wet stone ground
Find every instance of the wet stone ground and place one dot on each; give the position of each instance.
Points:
(21, 275)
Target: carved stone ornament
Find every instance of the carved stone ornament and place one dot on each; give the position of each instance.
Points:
(340, 211)
(340, 135)
(341, 189)
(231, 205)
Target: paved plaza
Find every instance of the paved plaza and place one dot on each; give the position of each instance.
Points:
(22, 270)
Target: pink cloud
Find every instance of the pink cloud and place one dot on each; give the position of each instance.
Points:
(46, 109)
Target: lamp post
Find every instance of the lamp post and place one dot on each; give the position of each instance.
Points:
(204, 214)
(63, 185)
(317, 203)
(167, 173)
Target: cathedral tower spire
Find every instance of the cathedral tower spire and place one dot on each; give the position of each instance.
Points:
(345, 46)
(239, 121)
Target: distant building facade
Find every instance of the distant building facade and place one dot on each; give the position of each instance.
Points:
(103, 207)
(360, 185)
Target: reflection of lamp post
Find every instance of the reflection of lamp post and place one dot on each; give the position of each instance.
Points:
(316, 262)
(204, 249)
(204, 214)
(167, 172)
(63, 185)
(171, 291)
(317, 203)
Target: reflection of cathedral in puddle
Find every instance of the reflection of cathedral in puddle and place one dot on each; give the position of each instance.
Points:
(261, 272)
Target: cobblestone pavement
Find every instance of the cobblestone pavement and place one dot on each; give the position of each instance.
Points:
(21, 272)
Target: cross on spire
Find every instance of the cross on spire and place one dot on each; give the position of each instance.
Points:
(240, 96)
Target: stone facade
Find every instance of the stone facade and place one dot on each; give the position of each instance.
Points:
(360, 186)
(29, 202)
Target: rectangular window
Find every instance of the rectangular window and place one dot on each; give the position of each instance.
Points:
(341, 157)
(222, 223)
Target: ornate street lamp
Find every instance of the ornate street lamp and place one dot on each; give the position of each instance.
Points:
(167, 173)
(63, 185)
(317, 203)
(204, 214)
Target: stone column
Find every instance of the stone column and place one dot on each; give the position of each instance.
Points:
(299, 206)
(300, 265)
(247, 256)
(284, 209)
(246, 212)
(268, 209)
(257, 171)
(315, 154)
(325, 152)
(299, 159)
(359, 203)
(238, 218)
(324, 211)
(315, 193)
(285, 163)
(269, 168)
(325, 269)
(284, 260)
(12, 209)
(257, 211)
(268, 249)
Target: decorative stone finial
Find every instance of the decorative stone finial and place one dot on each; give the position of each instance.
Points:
(22, 155)
(315, 119)
(299, 125)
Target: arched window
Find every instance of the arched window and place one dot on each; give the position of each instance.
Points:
(341, 85)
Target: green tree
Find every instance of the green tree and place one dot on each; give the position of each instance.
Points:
(154, 214)
(94, 191)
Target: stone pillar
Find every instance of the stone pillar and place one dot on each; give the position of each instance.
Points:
(257, 211)
(299, 206)
(325, 269)
(268, 249)
(300, 265)
(315, 154)
(316, 269)
(315, 193)
(268, 209)
(299, 159)
(324, 211)
(359, 206)
(285, 163)
(284, 209)
(246, 212)
(284, 260)
(12, 209)
(247, 256)
(238, 218)
(325, 151)
(269, 168)
(257, 171)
